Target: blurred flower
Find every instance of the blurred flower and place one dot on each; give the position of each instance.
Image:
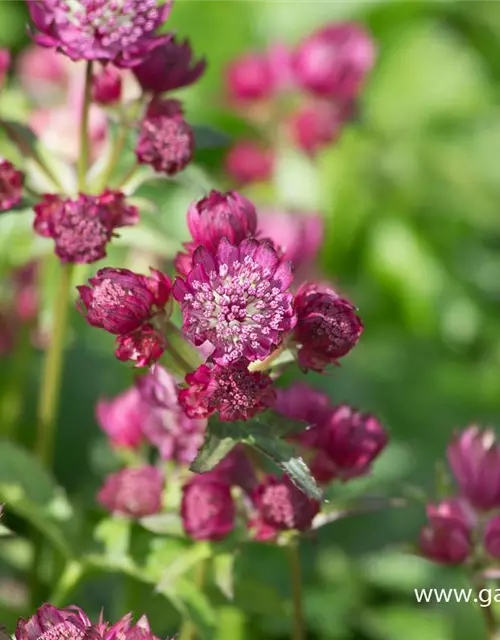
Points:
(11, 185)
(169, 66)
(280, 62)
(250, 78)
(166, 141)
(474, 457)
(207, 508)
(26, 294)
(120, 32)
(248, 161)
(232, 390)
(7, 332)
(334, 61)
(158, 388)
(302, 402)
(106, 86)
(83, 227)
(237, 299)
(327, 326)
(121, 418)
(135, 492)
(492, 537)
(145, 346)
(281, 506)
(43, 73)
(57, 624)
(236, 469)
(446, 538)
(316, 125)
(4, 64)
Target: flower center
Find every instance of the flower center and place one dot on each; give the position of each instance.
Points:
(108, 294)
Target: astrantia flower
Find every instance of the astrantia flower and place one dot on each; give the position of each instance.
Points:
(50, 623)
(166, 141)
(237, 299)
(106, 86)
(145, 346)
(250, 78)
(169, 66)
(232, 390)
(134, 492)
(82, 228)
(158, 388)
(248, 162)
(125, 630)
(207, 508)
(447, 538)
(119, 31)
(315, 126)
(327, 326)
(11, 185)
(302, 402)
(121, 418)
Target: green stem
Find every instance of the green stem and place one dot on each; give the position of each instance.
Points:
(83, 161)
(129, 175)
(188, 629)
(296, 583)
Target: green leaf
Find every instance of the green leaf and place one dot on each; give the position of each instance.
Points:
(208, 138)
(223, 567)
(279, 426)
(258, 598)
(190, 602)
(20, 468)
(191, 557)
(213, 450)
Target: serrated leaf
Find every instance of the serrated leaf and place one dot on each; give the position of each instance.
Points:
(208, 138)
(213, 450)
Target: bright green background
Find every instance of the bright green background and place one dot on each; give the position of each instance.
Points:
(411, 197)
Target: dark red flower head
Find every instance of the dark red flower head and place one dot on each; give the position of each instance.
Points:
(248, 162)
(327, 326)
(447, 538)
(135, 492)
(207, 508)
(11, 185)
(107, 86)
(169, 66)
(145, 346)
(50, 623)
(166, 141)
(82, 228)
(250, 78)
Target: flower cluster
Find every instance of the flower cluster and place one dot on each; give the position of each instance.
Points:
(466, 526)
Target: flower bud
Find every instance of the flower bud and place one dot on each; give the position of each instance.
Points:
(248, 162)
(207, 508)
(315, 126)
(107, 86)
(121, 418)
(236, 469)
(11, 185)
(446, 538)
(250, 78)
(134, 492)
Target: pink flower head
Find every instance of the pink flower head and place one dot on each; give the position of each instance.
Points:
(302, 402)
(237, 299)
(169, 66)
(327, 326)
(119, 31)
(4, 63)
(334, 61)
(207, 508)
(232, 390)
(121, 418)
(248, 162)
(492, 537)
(250, 78)
(107, 86)
(82, 228)
(158, 388)
(11, 185)
(236, 469)
(221, 215)
(134, 492)
(125, 630)
(121, 301)
(145, 346)
(474, 457)
(315, 126)
(166, 141)
(446, 538)
(281, 506)
(298, 236)
(50, 623)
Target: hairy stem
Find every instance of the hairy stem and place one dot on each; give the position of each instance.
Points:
(83, 161)
(298, 631)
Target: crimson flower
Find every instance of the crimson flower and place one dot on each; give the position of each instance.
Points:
(447, 537)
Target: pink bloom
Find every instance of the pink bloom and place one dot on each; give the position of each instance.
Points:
(492, 537)
(4, 63)
(125, 630)
(281, 506)
(120, 32)
(327, 326)
(134, 492)
(207, 508)
(250, 78)
(43, 73)
(50, 623)
(121, 418)
(11, 185)
(474, 457)
(334, 61)
(297, 236)
(83, 227)
(107, 86)
(158, 388)
(237, 299)
(315, 126)
(121, 301)
(446, 538)
(183, 261)
(236, 469)
(169, 66)
(302, 402)
(145, 346)
(248, 161)
(232, 390)
(166, 141)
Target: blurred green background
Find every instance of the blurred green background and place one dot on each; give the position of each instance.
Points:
(411, 199)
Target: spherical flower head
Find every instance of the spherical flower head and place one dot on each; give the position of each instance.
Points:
(11, 185)
(169, 66)
(315, 126)
(145, 346)
(447, 539)
(327, 326)
(207, 508)
(232, 390)
(107, 86)
(221, 215)
(248, 162)
(250, 78)
(237, 299)
(334, 62)
(165, 141)
(282, 506)
(121, 418)
(121, 301)
(50, 623)
(118, 31)
(82, 228)
(474, 457)
(134, 492)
